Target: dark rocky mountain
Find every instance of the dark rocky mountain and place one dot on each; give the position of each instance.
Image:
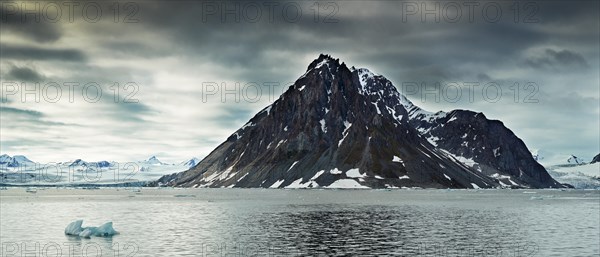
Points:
(595, 159)
(486, 145)
(346, 127)
(78, 162)
(575, 160)
(100, 164)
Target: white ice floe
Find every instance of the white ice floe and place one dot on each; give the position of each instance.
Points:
(75, 229)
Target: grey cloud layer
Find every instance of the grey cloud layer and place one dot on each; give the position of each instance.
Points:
(16, 52)
(559, 52)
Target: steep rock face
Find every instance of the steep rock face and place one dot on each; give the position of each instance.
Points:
(595, 159)
(486, 145)
(338, 127)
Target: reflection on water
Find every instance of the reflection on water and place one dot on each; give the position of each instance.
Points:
(379, 230)
(229, 222)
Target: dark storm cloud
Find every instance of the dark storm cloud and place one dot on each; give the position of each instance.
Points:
(27, 143)
(24, 74)
(379, 40)
(120, 95)
(566, 12)
(562, 38)
(14, 52)
(15, 21)
(131, 112)
(244, 48)
(558, 59)
(125, 49)
(24, 118)
(21, 112)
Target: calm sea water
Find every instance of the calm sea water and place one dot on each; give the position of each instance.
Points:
(270, 222)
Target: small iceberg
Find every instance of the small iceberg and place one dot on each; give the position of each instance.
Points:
(75, 229)
(184, 196)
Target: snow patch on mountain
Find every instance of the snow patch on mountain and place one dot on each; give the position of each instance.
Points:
(346, 184)
(323, 125)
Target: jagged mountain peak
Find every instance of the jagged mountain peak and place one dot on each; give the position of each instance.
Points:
(324, 60)
(78, 162)
(153, 160)
(191, 162)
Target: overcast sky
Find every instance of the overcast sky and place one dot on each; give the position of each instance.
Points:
(161, 53)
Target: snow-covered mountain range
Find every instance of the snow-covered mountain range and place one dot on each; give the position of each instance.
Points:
(341, 127)
(19, 170)
(15, 161)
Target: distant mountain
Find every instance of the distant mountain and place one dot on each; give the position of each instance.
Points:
(578, 175)
(191, 162)
(549, 158)
(154, 161)
(350, 128)
(15, 161)
(78, 162)
(569, 169)
(99, 164)
(82, 173)
(102, 164)
(575, 160)
(595, 159)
